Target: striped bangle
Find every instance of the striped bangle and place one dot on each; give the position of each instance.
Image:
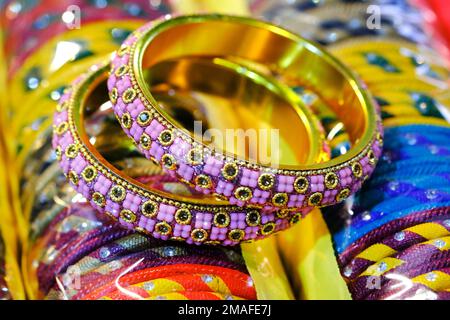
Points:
(166, 271)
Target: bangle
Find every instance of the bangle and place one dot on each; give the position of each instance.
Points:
(421, 259)
(166, 216)
(106, 250)
(172, 270)
(228, 175)
(37, 71)
(21, 35)
(185, 295)
(225, 285)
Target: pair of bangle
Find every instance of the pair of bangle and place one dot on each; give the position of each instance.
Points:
(263, 199)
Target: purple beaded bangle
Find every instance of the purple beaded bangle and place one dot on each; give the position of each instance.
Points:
(139, 207)
(240, 182)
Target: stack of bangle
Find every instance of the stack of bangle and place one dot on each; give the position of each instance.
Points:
(329, 22)
(49, 18)
(391, 239)
(274, 197)
(396, 228)
(85, 257)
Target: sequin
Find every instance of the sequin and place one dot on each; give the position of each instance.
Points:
(148, 286)
(382, 266)
(399, 236)
(431, 276)
(348, 271)
(431, 194)
(366, 216)
(393, 185)
(207, 278)
(104, 253)
(439, 243)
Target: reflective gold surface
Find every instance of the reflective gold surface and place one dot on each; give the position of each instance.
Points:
(93, 96)
(290, 57)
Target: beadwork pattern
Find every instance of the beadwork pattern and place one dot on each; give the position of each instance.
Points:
(137, 207)
(240, 182)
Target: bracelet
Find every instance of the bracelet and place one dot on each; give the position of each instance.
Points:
(106, 250)
(21, 36)
(172, 270)
(224, 174)
(134, 205)
(421, 259)
(226, 285)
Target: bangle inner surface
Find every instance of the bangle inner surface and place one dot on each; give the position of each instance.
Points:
(297, 61)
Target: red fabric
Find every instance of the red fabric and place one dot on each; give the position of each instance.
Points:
(437, 16)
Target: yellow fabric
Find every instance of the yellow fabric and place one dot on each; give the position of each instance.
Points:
(264, 265)
(443, 244)
(440, 282)
(429, 230)
(376, 252)
(374, 270)
(308, 253)
(238, 7)
(7, 226)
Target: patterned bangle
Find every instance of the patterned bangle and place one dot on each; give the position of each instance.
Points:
(227, 285)
(248, 289)
(188, 295)
(421, 259)
(107, 250)
(136, 206)
(396, 242)
(47, 24)
(240, 181)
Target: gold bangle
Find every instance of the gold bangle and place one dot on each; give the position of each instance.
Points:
(195, 219)
(298, 62)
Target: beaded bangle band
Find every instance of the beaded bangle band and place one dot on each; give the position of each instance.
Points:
(163, 215)
(240, 181)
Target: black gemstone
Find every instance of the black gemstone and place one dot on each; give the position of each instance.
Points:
(230, 171)
(315, 199)
(199, 235)
(236, 235)
(301, 183)
(279, 200)
(168, 162)
(89, 173)
(163, 229)
(221, 219)
(253, 217)
(166, 136)
(202, 181)
(243, 193)
(149, 208)
(183, 216)
(266, 181)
